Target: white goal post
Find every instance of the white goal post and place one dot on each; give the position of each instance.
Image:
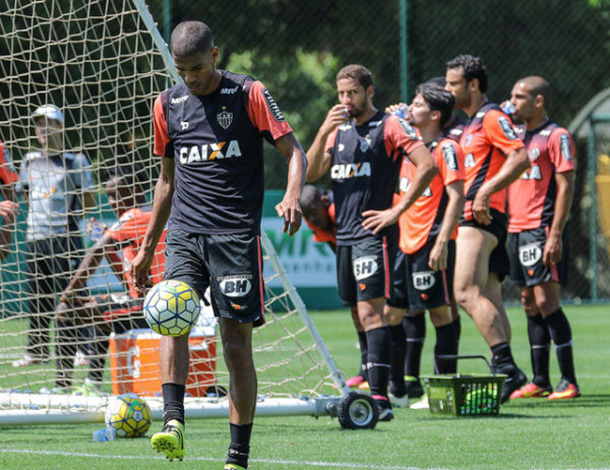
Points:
(103, 62)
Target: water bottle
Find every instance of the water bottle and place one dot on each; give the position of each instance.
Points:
(97, 230)
(508, 107)
(404, 112)
(105, 434)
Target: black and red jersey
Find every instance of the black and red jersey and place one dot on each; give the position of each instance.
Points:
(531, 198)
(364, 170)
(216, 142)
(487, 139)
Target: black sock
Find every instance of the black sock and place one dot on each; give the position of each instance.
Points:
(445, 345)
(502, 356)
(397, 362)
(239, 450)
(415, 331)
(540, 342)
(173, 402)
(364, 353)
(378, 362)
(457, 326)
(560, 330)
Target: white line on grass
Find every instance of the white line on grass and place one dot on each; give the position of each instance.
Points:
(209, 459)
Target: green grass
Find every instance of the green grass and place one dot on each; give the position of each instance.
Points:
(526, 434)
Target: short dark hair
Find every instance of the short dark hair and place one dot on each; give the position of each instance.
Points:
(356, 72)
(438, 99)
(190, 38)
(310, 197)
(473, 68)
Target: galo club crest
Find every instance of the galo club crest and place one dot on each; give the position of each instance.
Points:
(224, 119)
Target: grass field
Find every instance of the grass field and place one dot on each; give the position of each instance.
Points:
(528, 434)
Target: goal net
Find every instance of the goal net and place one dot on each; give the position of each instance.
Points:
(103, 62)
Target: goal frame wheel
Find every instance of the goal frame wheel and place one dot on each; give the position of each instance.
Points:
(357, 411)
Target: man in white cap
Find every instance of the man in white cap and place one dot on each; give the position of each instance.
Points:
(57, 186)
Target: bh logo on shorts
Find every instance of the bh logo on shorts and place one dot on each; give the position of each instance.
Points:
(423, 280)
(365, 267)
(529, 254)
(236, 286)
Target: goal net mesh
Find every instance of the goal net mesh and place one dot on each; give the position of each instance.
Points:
(102, 63)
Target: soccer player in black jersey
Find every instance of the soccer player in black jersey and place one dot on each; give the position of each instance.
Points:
(363, 149)
(208, 133)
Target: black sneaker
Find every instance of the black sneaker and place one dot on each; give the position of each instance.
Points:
(385, 409)
(515, 380)
(414, 388)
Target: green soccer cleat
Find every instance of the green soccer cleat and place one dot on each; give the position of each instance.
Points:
(232, 466)
(170, 440)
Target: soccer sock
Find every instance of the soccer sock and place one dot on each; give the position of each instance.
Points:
(67, 345)
(445, 344)
(502, 356)
(239, 450)
(364, 353)
(415, 331)
(540, 342)
(560, 330)
(378, 361)
(397, 363)
(173, 402)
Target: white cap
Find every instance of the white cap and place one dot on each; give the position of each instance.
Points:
(50, 111)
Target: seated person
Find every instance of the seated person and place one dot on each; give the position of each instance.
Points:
(105, 313)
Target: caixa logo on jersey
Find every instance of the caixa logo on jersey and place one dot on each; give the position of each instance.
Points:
(423, 280)
(530, 254)
(236, 286)
(343, 171)
(208, 152)
(365, 267)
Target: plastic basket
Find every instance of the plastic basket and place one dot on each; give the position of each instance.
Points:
(465, 395)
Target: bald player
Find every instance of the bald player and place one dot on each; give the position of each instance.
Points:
(539, 205)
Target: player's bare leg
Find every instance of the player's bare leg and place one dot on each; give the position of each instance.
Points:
(237, 347)
(474, 247)
(472, 291)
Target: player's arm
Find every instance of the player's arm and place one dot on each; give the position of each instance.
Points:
(162, 206)
(376, 220)
(516, 163)
(455, 206)
(289, 208)
(563, 201)
(318, 160)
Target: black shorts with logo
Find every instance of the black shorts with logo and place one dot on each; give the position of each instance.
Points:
(416, 287)
(498, 260)
(525, 253)
(231, 265)
(364, 269)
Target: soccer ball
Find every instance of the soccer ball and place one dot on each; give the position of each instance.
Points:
(171, 308)
(129, 414)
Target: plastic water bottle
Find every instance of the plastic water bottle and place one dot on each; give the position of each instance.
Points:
(105, 434)
(508, 107)
(404, 112)
(97, 230)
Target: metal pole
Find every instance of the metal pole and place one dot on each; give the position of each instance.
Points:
(592, 210)
(404, 49)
